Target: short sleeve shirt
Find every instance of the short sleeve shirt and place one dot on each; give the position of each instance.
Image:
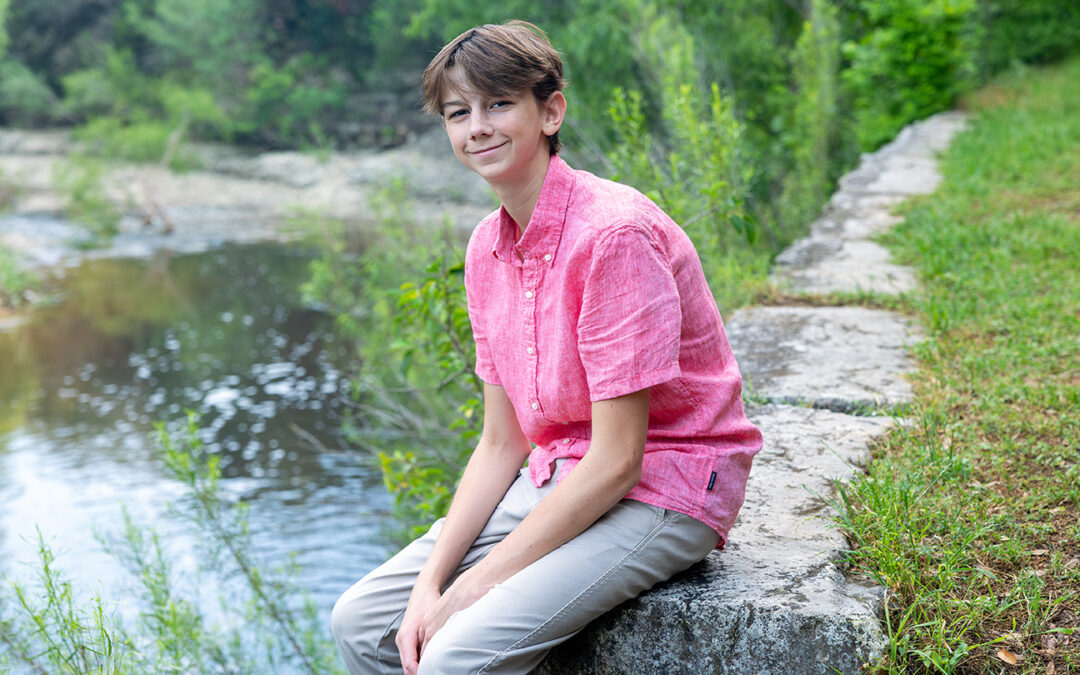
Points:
(603, 296)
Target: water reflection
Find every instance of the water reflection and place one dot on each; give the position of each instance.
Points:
(223, 333)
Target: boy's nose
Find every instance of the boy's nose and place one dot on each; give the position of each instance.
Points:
(479, 124)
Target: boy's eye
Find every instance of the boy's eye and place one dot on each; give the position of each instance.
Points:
(455, 113)
(500, 104)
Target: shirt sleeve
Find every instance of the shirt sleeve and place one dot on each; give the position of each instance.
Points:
(631, 320)
(485, 364)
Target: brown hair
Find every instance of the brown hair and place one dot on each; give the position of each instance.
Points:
(498, 60)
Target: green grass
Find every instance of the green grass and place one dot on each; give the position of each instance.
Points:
(970, 516)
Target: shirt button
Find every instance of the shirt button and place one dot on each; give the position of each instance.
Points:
(528, 294)
(535, 405)
(566, 440)
(547, 256)
(529, 350)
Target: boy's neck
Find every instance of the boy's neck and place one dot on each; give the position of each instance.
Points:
(520, 199)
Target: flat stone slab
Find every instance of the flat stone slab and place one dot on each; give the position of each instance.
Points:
(838, 255)
(907, 165)
(840, 358)
(775, 601)
(819, 264)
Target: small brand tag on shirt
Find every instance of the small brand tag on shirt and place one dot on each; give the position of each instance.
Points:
(712, 481)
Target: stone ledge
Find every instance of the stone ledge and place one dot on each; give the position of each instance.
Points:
(776, 601)
(818, 264)
(839, 358)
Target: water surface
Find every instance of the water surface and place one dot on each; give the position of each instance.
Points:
(130, 342)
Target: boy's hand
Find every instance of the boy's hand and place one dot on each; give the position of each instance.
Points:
(409, 636)
(461, 595)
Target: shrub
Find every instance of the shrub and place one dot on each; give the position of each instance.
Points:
(1030, 31)
(913, 58)
(25, 99)
(15, 281)
(812, 130)
(78, 180)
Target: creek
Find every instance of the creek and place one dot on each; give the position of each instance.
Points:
(129, 342)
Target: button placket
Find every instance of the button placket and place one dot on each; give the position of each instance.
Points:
(531, 279)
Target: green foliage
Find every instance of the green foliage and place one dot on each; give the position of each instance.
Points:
(398, 293)
(1027, 31)
(696, 179)
(46, 627)
(227, 536)
(812, 131)
(4, 39)
(288, 103)
(432, 326)
(131, 116)
(25, 100)
(912, 59)
(15, 281)
(78, 180)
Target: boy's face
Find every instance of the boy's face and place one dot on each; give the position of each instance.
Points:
(503, 138)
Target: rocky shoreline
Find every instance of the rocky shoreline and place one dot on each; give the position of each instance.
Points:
(233, 196)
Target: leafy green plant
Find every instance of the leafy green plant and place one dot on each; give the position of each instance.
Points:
(78, 179)
(432, 320)
(813, 128)
(397, 292)
(45, 629)
(25, 99)
(914, 58)
(15, 281)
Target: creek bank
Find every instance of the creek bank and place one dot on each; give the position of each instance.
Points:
(234, 197)
(825, 382)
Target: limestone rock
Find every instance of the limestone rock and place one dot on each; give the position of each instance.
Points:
(825, 264)
(837, 254)
(841, 358)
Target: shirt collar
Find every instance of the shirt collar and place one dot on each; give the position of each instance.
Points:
(541, 237)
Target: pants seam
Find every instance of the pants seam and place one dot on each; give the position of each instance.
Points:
(666, 520)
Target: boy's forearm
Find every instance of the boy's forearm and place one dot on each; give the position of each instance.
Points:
(611, 468)
(488, 475)
(590, 490)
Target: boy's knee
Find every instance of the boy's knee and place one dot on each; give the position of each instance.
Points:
(358, 632)
(453, 650)
(341, 617)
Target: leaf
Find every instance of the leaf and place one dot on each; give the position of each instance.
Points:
(1038, 551)
(1007, 656)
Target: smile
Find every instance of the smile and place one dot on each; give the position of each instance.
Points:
(486, 151)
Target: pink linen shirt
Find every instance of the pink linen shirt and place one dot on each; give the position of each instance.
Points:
(603, 296)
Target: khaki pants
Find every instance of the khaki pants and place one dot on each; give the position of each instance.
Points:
(510, 630)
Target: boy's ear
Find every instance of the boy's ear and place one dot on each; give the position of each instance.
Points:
(554, 112)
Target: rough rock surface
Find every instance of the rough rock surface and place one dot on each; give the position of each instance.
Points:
(775, 601)
(841, 358)
(838, 255)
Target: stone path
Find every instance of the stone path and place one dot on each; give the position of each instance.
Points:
(777, 601)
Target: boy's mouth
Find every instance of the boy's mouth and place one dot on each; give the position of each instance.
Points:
(484, 151)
